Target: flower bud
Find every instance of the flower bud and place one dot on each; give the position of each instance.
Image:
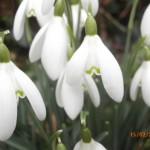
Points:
(60, 146)
(86, 135)
(59, 9)
(90, 26)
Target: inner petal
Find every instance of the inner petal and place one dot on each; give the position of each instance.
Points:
(19, 93)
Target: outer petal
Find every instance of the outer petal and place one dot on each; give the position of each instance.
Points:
(145, 30)
(18, 27)
(31, 92)
(37, 44)
(54, 54)
(72, 98)
(110, 71)
(42, 19)
(47, 5)
(97, 146)
(8, 106)
(146, 82)
(94, 3)
(135, 83)
(92, 89)
(58, 90)
(76, 66)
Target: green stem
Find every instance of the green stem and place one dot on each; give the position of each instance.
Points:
(129, 32)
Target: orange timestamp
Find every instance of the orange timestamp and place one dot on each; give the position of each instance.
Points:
(140, 134)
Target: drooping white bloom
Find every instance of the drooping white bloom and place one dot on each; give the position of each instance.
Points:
(15, 84)
(93, 145)
(93, 56)
(141, 79)
(29, 8)
(145, 29)
(93, 3)
(50, 44)
(72, 97)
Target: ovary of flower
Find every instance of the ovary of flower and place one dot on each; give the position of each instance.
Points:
(145, 25)
(15, 84)
(141, 79)
(71, 98)
(93, 145)
(94, 3)
(50, 44)
(29, 8)
(94, 57)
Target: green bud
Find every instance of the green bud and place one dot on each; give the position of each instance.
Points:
(4, 53)
(74, 2)
(60, 146)
(86, 135)
(147, 53)
(59, 8)
(90, 26)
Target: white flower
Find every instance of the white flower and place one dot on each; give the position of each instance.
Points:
(141, 79)
(72, 97)
(145, 25)
(15, 84)
(94, 4)
(93, 145)
(50, 44)
(93, 56)
(29, 8)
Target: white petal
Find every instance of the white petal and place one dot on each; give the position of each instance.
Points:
(58, 90)
(54, 53)
(47, 5)
(42, 19)
(8, 107)
(97, 146)
(31, 92)
(92, 89)
(94, 3)
(37, 44)
(135, 83)
(18, 27)
(76, 66)
(111, 74)
(145, 29)
(72, 98)
(145, 85)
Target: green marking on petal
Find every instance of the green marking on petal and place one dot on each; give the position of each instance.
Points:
(84, 86)
(93, 69)
(20, 93)
(31, 13)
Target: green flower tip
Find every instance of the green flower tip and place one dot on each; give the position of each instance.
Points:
(86, 135)
(147, 53)
(59, 8)
(74, 2)
(90, 25)
(4, 53)
(60, 146)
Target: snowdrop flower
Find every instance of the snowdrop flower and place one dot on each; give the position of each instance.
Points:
(93, 145)
(50, 44)
(87, 142)
(29, 8)
(14, 85)
(141, 79)
(145, 29)
(94, 57)
(72, 97)
(94, 6)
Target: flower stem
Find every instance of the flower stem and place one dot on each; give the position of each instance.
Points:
(129, 32)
